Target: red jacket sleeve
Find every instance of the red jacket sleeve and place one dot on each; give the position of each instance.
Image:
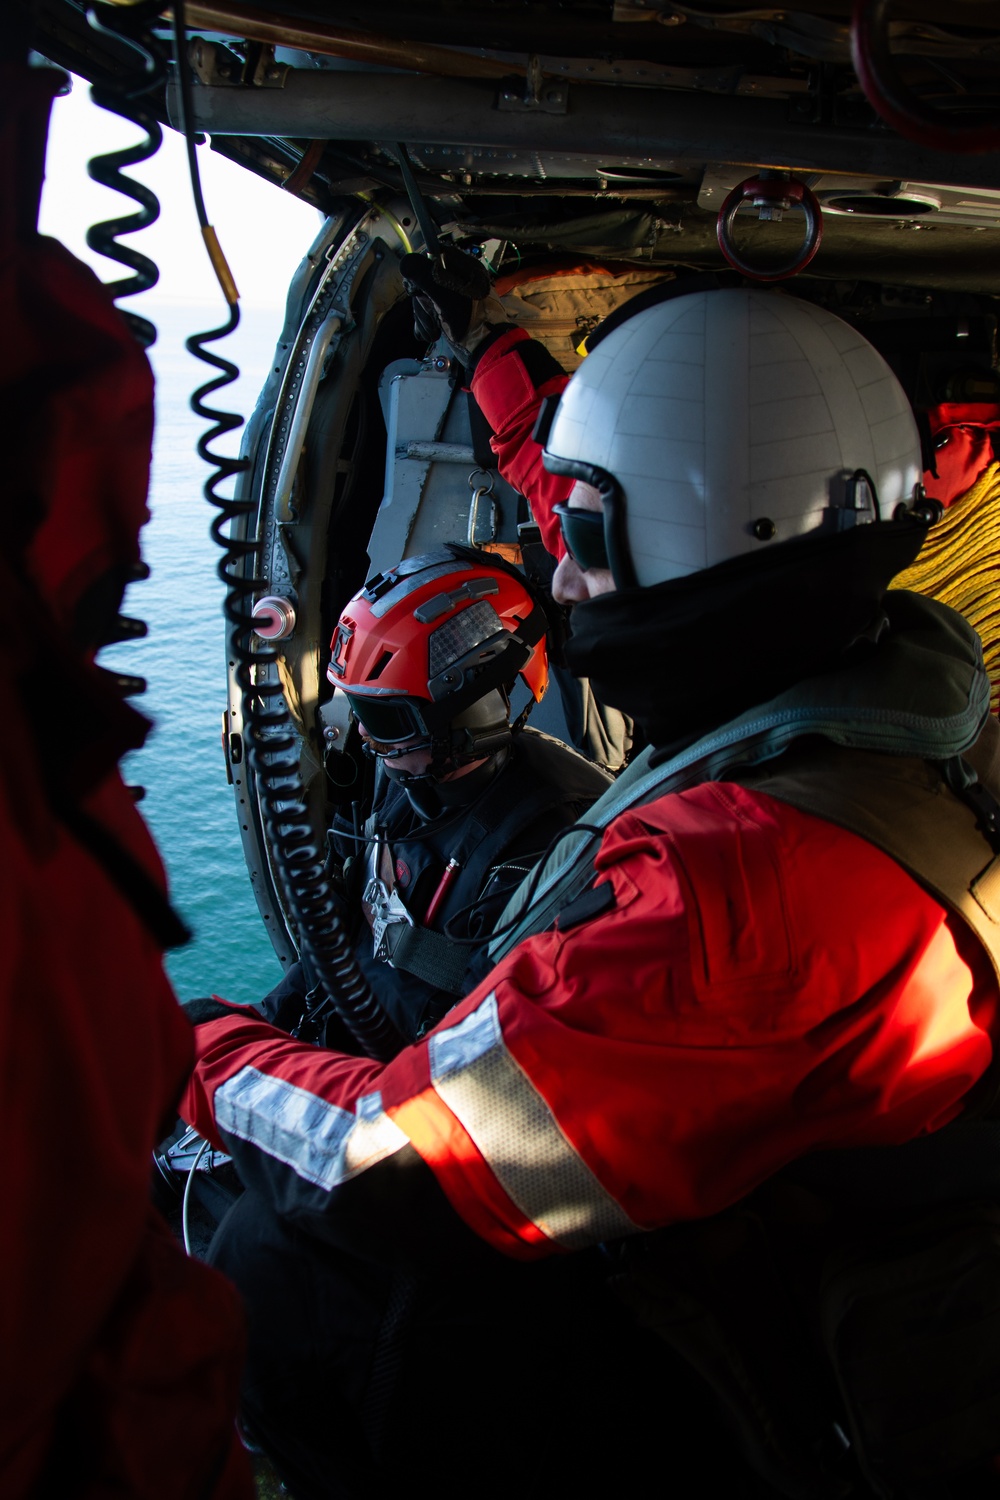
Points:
(652, 1062)
(510, 382)
(245, 1043)
(657, 1062)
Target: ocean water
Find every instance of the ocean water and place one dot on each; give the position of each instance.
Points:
(188, 804)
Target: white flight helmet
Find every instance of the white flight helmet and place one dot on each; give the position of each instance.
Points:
(719, 423)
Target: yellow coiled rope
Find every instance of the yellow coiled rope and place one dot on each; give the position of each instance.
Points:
(959, 564)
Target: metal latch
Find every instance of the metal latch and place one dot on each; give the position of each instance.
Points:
(386, 910)
(217, 66)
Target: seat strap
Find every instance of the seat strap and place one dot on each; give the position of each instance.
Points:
(429, 955)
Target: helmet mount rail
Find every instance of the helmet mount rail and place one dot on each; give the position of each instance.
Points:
(861, 505)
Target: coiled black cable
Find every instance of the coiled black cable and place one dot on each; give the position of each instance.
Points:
(271, 739)
(128, 26)
(127, 100)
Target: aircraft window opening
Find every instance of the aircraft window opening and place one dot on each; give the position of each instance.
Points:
(269, 730)
(571, 227)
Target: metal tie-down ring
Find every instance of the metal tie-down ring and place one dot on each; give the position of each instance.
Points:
(772, 196)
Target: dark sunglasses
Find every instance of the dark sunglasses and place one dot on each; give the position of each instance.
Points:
(583, 533)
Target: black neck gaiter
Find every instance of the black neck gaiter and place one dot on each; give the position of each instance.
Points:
(432, 799)
(688, 655)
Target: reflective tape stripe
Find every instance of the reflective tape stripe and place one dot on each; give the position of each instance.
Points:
(518, 1135)
(322, 1143)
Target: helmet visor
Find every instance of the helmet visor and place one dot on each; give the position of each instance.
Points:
(388, 720)
(583, 533)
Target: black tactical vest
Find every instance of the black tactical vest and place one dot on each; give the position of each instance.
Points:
(543, 787)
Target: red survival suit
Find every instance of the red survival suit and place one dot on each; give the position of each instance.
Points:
(711, 1026)
(121, 1357)
(735, 1007)
(743, 984)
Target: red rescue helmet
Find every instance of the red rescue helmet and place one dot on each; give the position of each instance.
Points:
(427, 654)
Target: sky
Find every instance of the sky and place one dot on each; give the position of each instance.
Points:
(264, 232)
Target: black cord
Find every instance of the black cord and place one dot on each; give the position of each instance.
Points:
(272, 744)
(128, 102)
(126, 99)
(186, 110)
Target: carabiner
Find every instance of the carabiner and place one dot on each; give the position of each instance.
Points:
(478, 493)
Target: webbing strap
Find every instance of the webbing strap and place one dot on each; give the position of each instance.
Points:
(924, 693)
(905, 807)
(569, 869)
(429, 955)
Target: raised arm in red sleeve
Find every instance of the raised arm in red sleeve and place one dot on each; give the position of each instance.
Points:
(510, 381)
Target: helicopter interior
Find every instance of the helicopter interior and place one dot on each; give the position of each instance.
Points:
(586, 150)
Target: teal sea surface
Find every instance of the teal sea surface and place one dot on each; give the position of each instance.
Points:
(188, 804)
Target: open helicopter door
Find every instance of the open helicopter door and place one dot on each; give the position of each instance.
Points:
(364, 448)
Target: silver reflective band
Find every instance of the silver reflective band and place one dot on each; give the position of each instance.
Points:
(322, 1143)
(513, 1127)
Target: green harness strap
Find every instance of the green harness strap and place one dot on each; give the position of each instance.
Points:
(914, 810)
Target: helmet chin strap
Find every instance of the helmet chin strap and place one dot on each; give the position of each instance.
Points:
(431, 799)
(443, 757)
(380, 751)
(446, 755)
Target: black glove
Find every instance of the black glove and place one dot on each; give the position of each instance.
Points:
(205, 1008)
(452, 293)
(285, 1005)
